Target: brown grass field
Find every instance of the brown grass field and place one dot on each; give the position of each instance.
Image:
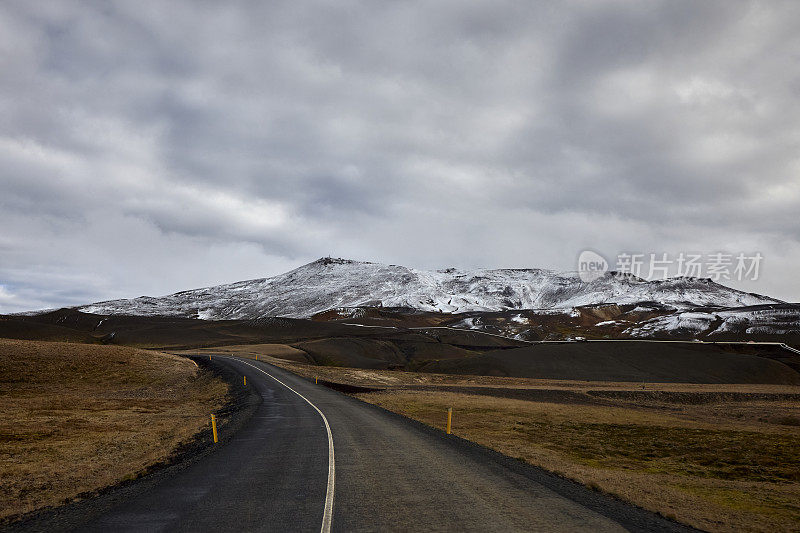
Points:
(727, 466)
(76, 418)
(721, 457)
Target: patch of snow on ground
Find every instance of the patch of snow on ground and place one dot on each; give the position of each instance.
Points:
(519, 319)
(468, 323)
(694, 322)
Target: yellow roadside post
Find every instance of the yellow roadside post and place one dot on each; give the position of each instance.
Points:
(214, 427)
(449, 419)
(245, 380)
(315, 380)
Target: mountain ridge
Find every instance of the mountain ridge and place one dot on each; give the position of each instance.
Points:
(330, 283)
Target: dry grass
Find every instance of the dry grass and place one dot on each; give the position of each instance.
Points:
(280, 351)
(76, 418)
(719, 467)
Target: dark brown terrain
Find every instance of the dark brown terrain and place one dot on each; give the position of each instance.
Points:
(386, 339)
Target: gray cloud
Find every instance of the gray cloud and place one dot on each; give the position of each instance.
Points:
(149, 147)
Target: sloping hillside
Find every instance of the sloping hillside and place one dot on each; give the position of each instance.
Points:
(335, 283)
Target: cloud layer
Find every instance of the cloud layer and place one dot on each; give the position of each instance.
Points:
(149, 147)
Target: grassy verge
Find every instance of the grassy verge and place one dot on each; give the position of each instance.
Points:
(719, 467)
(77, 418)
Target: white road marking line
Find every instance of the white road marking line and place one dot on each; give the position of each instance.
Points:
(787, 347)
(327, 515)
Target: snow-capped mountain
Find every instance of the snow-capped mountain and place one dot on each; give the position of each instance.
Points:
(334, 283)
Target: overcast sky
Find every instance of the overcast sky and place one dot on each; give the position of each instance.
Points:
(150, 147)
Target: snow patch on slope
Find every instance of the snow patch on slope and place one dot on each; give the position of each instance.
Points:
(779, 319)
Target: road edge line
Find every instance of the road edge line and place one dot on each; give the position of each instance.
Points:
(327, 515)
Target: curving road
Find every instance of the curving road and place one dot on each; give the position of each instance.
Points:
(380, 472)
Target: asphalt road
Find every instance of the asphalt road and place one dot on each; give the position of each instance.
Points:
(380, 472)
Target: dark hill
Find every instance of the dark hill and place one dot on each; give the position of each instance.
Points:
(624, 361)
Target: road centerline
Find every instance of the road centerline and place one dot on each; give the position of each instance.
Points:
(327, 515)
